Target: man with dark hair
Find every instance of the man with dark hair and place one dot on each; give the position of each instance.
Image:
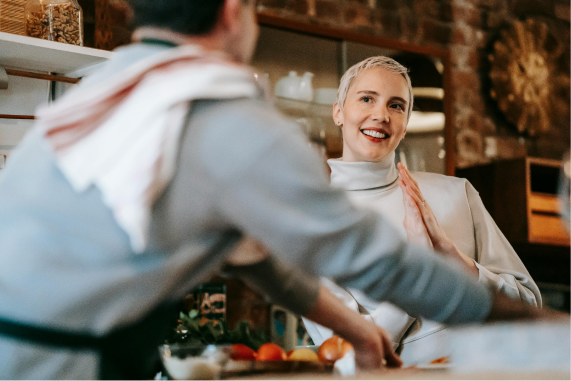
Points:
(185, 17)
(143, 180)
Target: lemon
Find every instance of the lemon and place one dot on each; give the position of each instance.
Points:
(303, 354)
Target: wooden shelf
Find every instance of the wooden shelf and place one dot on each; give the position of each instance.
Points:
(38, 55)
(522, 197)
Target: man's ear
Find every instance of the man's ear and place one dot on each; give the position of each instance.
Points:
(337, 114)
(231, 15)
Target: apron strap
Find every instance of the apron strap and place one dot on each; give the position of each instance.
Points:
(49, 336)
(126, 353)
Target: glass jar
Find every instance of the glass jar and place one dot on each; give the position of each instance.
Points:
(55, 20)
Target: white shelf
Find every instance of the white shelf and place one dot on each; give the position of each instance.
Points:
(34, 54)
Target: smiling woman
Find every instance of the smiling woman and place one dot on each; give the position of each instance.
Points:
(445, 213)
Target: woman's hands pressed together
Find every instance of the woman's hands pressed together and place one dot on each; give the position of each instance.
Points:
(414, 225)
(417, 210)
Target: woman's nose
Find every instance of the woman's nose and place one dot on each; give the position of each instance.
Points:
(381, 115)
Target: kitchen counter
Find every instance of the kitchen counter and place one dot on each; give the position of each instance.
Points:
(414, 374)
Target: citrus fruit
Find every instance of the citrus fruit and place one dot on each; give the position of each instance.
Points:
(270, 352)
(333, 349)
(303, 354)
(241, 352)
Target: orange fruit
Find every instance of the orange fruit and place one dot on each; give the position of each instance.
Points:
(333, 349)
(302, 354)
(241, 352)
(270, 352)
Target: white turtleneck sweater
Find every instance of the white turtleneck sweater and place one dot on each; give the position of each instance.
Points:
(459, 211)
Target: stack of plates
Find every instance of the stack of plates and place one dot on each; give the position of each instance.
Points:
(12, 16)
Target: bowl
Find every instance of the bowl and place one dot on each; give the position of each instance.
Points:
(194, 362)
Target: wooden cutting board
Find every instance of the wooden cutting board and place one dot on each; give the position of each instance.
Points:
(240, 368)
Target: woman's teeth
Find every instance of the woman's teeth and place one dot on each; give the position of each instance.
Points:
(374, 134)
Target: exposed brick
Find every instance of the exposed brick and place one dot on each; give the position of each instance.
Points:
(301, 7)
(493, 20)
(466, 79)
(489, 127)
(409, 25)
(492, 4)
(469, 147)
(430, 8)
(504, 147)
(446, 11)
(389, 22)
(465, 35)
(357, 15)
(563, 11)
(470, 15)
(465, 58)
(390, 5)
(280, 4)
(328, 11)
(367, 3)
(436, 31)
(524, 7)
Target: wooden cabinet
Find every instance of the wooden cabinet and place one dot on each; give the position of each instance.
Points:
(521, 195)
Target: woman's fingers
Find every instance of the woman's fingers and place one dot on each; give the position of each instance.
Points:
(425, 212)
(413, 223)
(407, 172)
(409, 181)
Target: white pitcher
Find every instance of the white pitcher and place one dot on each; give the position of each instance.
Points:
(288, 87)
(306, 87)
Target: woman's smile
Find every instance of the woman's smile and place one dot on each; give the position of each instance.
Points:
(375, 135)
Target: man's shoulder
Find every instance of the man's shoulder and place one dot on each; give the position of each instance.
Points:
(236, 111)
(230, 136)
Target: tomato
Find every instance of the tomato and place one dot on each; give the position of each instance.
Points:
(241, 352)
(270, 352)
(302, 354)
(333, 349)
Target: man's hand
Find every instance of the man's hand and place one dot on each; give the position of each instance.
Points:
(506, 308)
(373, 348)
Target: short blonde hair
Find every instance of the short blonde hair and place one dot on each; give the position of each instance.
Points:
(386, 63)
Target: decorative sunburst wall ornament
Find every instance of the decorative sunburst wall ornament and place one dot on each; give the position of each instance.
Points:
(525, 77)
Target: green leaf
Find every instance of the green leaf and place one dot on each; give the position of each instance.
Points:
(190, 331)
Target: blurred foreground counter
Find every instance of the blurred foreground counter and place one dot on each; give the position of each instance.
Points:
(416, 375)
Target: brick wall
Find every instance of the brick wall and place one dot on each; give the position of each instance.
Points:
(467, 28)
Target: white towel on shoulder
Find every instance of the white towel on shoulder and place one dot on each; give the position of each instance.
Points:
(122, 134)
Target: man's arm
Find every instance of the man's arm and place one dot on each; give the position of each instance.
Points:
(303, 294)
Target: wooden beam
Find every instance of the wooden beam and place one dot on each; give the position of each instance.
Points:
(47, 77)
(345, 34)
(8, 116)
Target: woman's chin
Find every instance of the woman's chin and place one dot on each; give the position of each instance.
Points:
(374, 157)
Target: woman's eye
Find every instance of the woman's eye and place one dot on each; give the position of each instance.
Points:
(398, 106)
(366, 99)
